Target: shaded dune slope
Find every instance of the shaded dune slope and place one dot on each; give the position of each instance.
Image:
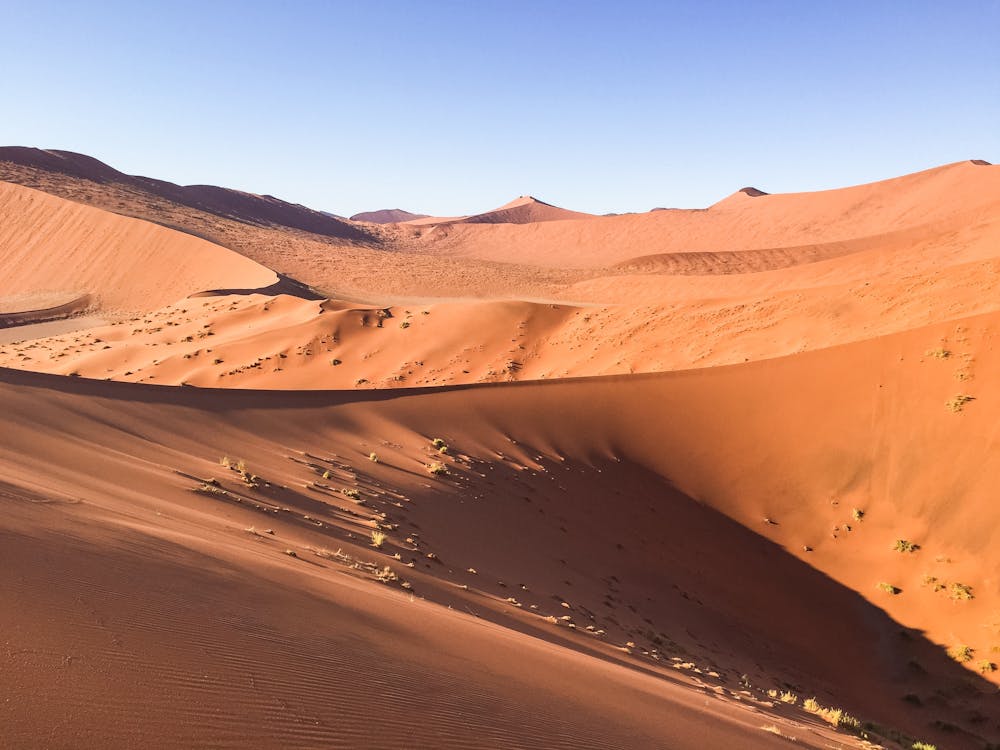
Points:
(225, 202)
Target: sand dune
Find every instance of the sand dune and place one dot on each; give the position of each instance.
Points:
(784, 488)
(621, 479)
(236, 204)
(387, 216)
(525, 209)
(50, 245)
(962, 191)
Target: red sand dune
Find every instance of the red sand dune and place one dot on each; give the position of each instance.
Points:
(964, 190)
(620, 479)
(51, 245)
(525, 210)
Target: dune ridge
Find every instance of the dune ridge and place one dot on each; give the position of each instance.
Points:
(236, 204)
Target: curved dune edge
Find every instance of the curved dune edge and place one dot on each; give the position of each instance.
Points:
(599, 473)
(124, 264)
(76, 305)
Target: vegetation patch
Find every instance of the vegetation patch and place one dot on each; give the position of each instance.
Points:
(836, 716)
(903, 545)
(958, 403)
(961, 654)
(960, 592)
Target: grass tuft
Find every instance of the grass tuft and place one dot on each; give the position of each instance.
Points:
(961, 654)
(958, 403)
(960, 592)
(903, 545)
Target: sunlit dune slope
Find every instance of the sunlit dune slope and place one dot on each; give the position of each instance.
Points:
(50, 245)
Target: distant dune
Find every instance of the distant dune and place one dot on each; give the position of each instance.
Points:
(261, 209)
(740, 222)
(524, 210)
(386, 216)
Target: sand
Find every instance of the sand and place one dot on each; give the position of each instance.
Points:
(53, 245)
(638, 476)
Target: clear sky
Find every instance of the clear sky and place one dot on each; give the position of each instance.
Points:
(452, 107)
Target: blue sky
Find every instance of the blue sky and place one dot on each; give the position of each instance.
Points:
(456, 107)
